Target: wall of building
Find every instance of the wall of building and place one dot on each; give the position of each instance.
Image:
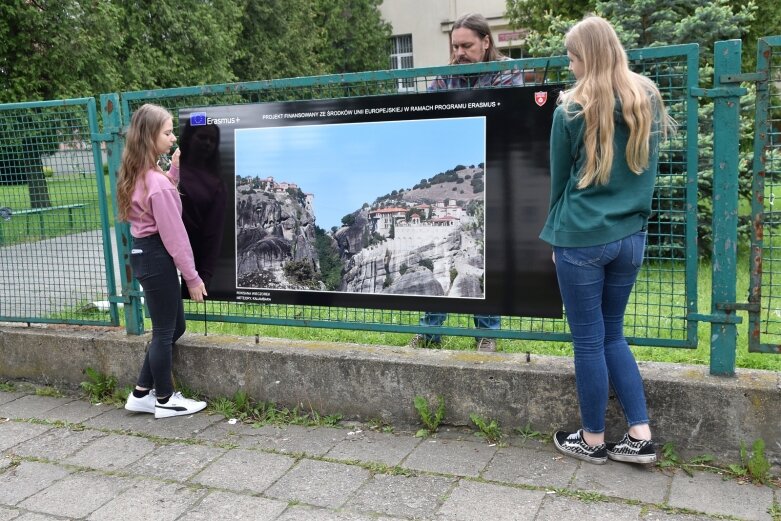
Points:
(430, 21)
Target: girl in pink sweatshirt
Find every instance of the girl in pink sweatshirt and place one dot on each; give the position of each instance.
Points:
(147, 197)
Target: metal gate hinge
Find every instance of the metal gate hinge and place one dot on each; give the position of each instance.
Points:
(718, 92)
(738, 306)
(715, 319)
(748, 77)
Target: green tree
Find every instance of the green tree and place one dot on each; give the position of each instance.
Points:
(647, 23)
(52, 49)
(330, 263)
(535, 14)
(278, 40)
(766, 23)
(173, 44)
(353, 35)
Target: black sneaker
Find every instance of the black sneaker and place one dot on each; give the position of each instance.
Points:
(630, 450)
(573, 444)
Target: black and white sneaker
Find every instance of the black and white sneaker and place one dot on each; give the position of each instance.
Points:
(630, 450)
(177, 405)
(145, 404)
(573, 444)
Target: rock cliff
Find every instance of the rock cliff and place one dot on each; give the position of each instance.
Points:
(273, 229)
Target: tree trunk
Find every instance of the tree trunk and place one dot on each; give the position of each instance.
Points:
(36, 183)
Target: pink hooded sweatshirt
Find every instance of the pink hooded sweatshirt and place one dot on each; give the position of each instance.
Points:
(158, 209)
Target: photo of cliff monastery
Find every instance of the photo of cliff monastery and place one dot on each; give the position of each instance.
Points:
(326, 227)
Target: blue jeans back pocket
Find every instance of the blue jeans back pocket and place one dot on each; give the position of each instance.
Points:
(638, 248)
(584, 256)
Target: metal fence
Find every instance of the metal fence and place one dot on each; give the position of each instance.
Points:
(662, 311)
(666, 289)
(56, 261)
(765, 295)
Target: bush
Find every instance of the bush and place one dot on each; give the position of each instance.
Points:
(426, 263)
(300, 271)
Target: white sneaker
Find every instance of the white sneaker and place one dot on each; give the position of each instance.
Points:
(178, 405)
(145, 404)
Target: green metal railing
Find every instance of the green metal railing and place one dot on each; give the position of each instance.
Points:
(57, 263)
(55, 252)
(665, 295)
(765, 294)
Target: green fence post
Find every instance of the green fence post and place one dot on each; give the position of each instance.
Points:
(726, 131)
(131, 296)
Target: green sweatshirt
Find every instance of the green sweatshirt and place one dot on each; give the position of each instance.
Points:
(597, 214)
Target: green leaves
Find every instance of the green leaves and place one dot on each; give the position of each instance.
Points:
(490, 430)
(101, 388)
(431, 421)
(53, 49)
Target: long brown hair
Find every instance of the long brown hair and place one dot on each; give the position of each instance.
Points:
(140, 153)
(477, 23)
(606, 77)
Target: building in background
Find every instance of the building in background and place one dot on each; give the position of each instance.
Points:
(421, 29)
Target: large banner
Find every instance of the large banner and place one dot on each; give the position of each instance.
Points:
(417, 202)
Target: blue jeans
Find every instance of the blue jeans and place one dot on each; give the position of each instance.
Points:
(595, 283)
(437, 319)
(155, 270)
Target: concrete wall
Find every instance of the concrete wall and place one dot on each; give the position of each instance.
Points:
(698, 413)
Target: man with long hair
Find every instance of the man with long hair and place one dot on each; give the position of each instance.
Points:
(471, 41)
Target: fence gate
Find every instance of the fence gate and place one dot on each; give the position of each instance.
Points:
(764, 291)
(56, 260)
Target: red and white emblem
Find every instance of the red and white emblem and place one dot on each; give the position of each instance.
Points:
(540, 98)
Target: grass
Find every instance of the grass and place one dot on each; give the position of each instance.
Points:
(656, 310)
(63, 190)
(245, 409)
(652, 313)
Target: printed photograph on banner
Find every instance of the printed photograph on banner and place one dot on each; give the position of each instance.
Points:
(389, 207)
(417, 201)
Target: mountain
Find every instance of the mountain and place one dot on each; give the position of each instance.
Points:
(275, 236)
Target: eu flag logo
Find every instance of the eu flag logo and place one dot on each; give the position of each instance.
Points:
(197, 119)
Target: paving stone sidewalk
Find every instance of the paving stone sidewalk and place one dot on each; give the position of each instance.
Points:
(63, 458)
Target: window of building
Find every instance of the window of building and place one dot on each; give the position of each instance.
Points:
(401, 58)
(513, 52)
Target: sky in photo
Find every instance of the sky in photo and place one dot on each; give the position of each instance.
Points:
(346, 165)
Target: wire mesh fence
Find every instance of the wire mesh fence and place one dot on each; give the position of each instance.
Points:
(765, 335)
(55, 259)
(666, 289)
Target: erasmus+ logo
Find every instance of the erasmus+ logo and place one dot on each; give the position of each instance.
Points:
(197, 119)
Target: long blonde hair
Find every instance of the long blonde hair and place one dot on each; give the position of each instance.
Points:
(606, 77)
(140, 153)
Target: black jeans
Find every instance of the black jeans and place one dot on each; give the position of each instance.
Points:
(155, 270)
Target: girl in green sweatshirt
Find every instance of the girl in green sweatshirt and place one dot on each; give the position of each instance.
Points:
(604, 148)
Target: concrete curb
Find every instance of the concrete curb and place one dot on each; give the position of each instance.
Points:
(698, 413)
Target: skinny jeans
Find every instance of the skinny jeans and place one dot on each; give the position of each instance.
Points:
(595, 284)
(156, 272)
